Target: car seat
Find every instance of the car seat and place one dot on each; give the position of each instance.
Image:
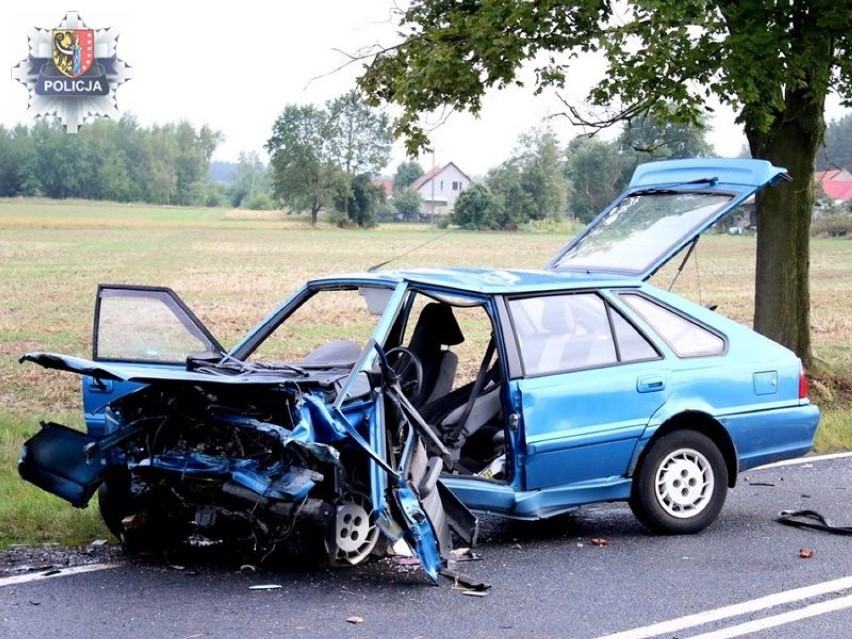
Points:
(436, 330)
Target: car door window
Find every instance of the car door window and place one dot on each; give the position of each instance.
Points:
(685, 337)
(563, 333)
(146, 324)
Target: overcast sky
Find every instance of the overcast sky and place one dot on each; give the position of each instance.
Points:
(235, 66)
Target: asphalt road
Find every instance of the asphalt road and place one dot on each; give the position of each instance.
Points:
(548, 580)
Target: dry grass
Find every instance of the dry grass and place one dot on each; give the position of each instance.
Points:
(233, 269)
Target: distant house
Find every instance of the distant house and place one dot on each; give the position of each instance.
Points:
(836, 183)
(440, 187)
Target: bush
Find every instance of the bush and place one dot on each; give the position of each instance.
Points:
(837, 225)
(259, 202)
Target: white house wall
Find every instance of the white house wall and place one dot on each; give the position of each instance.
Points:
(448, 184)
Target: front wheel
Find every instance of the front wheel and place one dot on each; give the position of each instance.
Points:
(680, 485)
(114, 502)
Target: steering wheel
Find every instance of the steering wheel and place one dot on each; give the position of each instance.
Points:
(408, 369)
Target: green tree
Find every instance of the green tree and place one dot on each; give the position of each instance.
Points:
(541, 174)
(506, 182)
(316, 153)
(359, 138)
(11, 168)
(360, 200)
(657, 138)
(160, 154)
(408, 204)
(101, 146)
(59, 164)
(27, 178)
(478, 208)
(192, 159)
(837, 152)
(406, 174)
(109, 160)
(597, 171)
(530, 184)
(250, 179)
(303, 176)
(773, 62)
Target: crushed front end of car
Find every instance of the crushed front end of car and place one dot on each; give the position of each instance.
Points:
(225, 456)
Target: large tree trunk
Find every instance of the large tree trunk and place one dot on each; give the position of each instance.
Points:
(782, 292)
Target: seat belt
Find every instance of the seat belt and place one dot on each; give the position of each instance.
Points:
(474, 393)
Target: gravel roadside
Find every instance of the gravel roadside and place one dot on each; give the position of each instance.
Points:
(22, 560)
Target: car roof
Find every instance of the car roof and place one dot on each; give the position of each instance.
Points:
(486, 281)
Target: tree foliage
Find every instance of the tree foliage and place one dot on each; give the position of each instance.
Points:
(359, 138)
(772, 62)
(478, 207)
(658, 138)
(530, 185)
(303, 175)
(837, 152)
(251, 184)
(316, 153)
(406, 174)
(360, 201)
(408, 203)
(538, 158)
(597, 171)
(108, 160)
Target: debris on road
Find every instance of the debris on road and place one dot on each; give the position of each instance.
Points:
(811, 519)
(462, 581)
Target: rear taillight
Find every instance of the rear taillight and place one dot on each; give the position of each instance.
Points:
(803, 385)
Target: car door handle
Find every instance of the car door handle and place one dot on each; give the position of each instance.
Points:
(650, 384)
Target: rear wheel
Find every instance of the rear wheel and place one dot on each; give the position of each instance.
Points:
(681, 484)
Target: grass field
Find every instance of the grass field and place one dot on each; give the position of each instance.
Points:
(233, 267)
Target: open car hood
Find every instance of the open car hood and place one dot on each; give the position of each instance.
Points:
(666, 206)
(140, 373)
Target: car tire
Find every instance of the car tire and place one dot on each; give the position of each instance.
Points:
(680, 485)
(114, 504)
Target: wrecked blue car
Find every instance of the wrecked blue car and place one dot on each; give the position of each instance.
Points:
(386, 406)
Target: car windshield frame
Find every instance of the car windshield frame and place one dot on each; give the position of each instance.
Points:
(367, 359)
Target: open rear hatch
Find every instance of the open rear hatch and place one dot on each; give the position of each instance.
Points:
(666, 206)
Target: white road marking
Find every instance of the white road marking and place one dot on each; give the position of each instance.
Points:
(832, 605)
(50, 574)
(735, 610)
(804, 460)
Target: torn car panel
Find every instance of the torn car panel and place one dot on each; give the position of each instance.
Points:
(204, 461)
